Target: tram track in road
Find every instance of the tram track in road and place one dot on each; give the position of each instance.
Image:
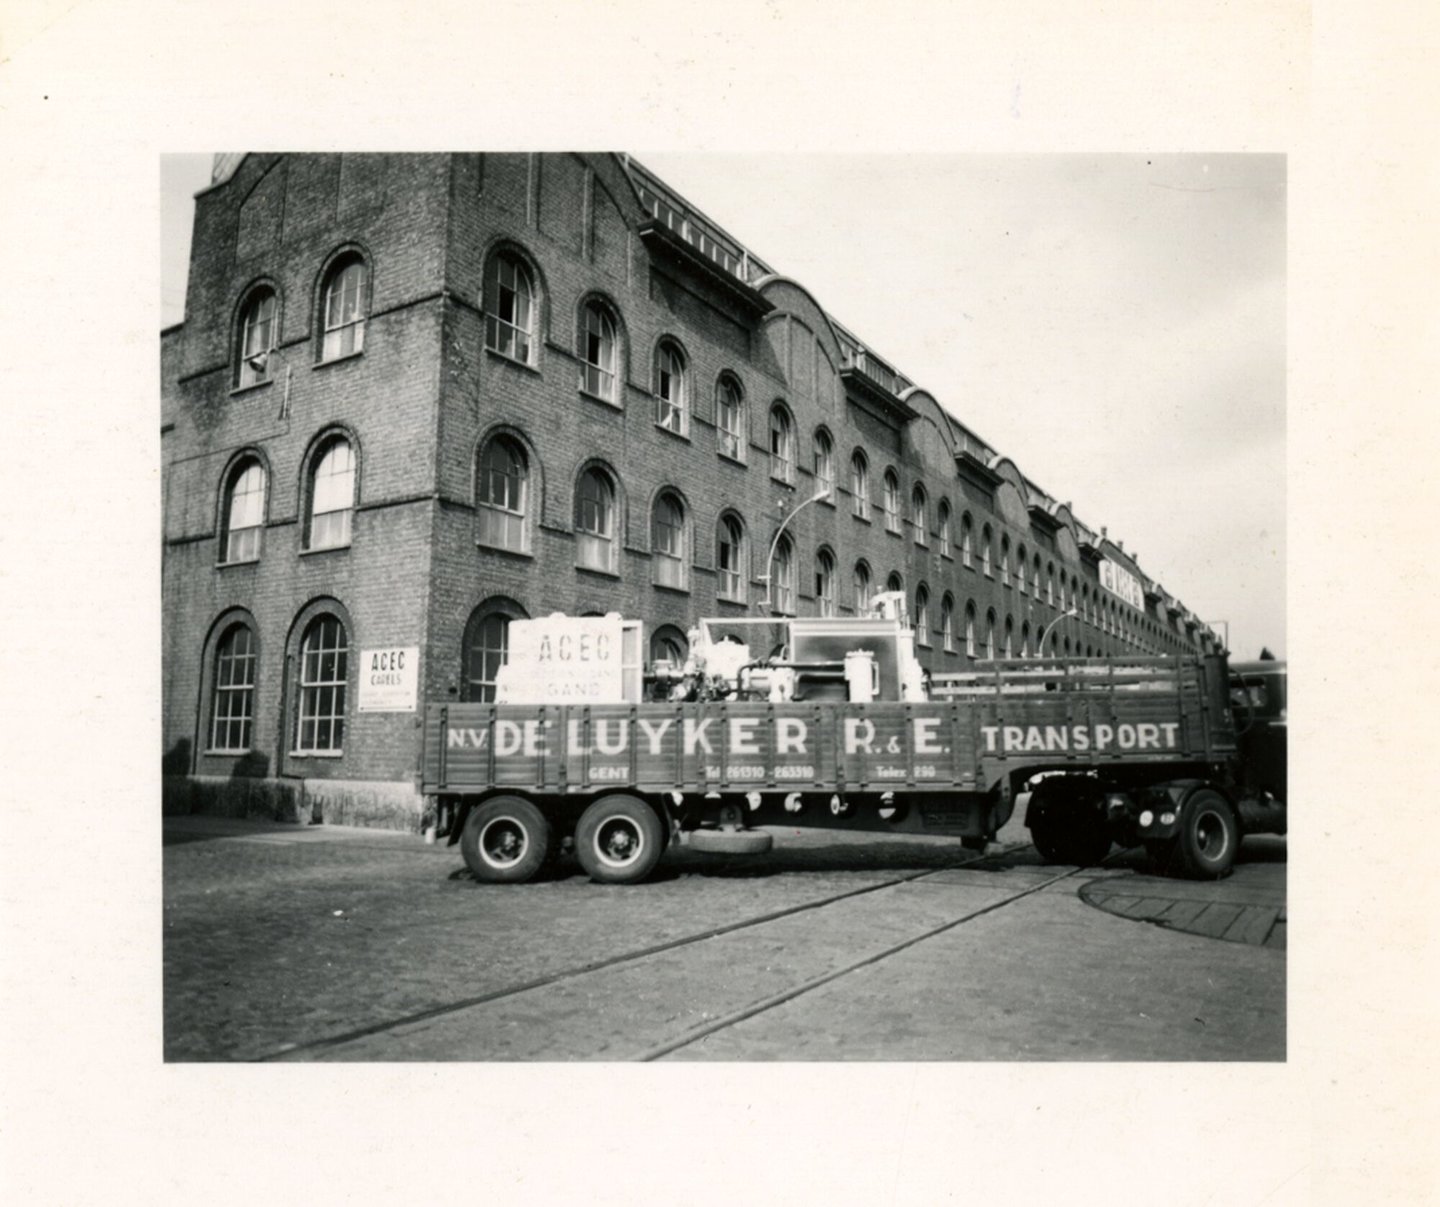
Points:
(451, 1012)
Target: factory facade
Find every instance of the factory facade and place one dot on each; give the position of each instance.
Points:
(415, 397)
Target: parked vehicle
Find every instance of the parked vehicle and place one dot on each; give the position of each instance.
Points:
(839, 727)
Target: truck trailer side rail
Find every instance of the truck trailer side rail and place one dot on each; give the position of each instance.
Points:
(984, 728)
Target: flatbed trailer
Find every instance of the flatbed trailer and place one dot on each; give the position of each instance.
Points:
(1111, 749)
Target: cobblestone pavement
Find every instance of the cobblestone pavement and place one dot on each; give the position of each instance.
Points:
(277, 936)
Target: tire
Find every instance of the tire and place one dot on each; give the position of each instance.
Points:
(731, 842)
(506, 840)
(1066, 825)
(1209, 837)
(619, 840)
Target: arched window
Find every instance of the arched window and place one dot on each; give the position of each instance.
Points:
(487, 647)
(967, 540)
(824, 461)
(947, 623)
(1009, 647)
(891, 501)
(860, 583)
(825, 582)
(894, 582)
(1035, 581)
(782, 444)
(670, 389)
(1020, 571)
(232, 702)
(344, 310)
(1004, 561)
(860, 485)
(783, 580)
(595, 521)
(244, 514)
(922, 615)
(920, 515)
(332, 495)
(324, 655)
(990, 634)
(668, 644)
(1050, 586)
(944, 512)
(501, 489)
(510, 308)
(970, 629)
(730, 419)
(1025, 640)
(597, 352)
(667, 539)
(986, 541)
(257, 337)
(730, 558)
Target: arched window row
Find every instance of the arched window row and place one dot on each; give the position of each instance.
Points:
(329, 476)
(342, 303)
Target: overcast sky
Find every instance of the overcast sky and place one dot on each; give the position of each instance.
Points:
(1113, 323)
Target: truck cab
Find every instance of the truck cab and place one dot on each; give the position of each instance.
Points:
(1258, 701)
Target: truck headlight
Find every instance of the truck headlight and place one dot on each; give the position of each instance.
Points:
(1167, 819)
(1146, 817)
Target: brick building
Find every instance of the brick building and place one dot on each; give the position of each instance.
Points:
(415, 396)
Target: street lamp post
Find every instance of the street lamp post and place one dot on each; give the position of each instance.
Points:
(822, 493)
(1040, 648)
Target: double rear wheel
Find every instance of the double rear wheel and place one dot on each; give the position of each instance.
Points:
(619, 840)
(1067, 821)
(506, 840)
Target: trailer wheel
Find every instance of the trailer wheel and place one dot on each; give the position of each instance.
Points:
(1209, 837)
(505, 841)
(1066, 824)
(732, 842)
(619, 840)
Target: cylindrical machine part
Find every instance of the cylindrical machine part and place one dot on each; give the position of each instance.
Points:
(861, 676)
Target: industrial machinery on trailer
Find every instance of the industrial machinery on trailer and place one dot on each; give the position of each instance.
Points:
(838, 726)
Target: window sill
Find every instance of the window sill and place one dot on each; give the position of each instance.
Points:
(317, 754)
(893, 532)
(338, 360)
(730, 457)
(671, 432)
(860, 519)
(671, 590)
(224, 754)
(505, 550)
(252, 387)
(730, 599)
(600, 398)
(512, 360)
(780, 481)
(325, 549)
(248, 561)
(610, 574)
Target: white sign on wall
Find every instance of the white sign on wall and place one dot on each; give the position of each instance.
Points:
(1119, 581)
(389, 679)
(563, 660)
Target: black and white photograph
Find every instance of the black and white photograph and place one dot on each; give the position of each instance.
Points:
(636, 603)
(581, 643)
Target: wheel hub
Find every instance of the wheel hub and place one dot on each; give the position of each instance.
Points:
(618, 841)
(503, 842)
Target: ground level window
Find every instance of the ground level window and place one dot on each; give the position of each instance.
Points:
(233, 704)
(323, 670)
